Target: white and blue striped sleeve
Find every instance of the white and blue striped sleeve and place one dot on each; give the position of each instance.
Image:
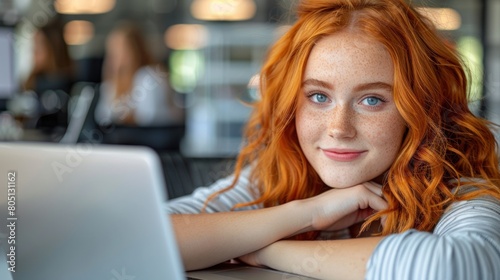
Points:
(193, 203)
(464, 245)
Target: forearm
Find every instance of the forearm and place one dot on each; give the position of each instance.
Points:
(464, 245)
(208, 239)
(332, 259)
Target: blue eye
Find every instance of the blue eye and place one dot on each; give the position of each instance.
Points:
(372, 101)
(318, 98)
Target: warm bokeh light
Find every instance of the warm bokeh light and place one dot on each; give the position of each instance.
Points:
(227, 10)
(443, 18)
(84, 6)
(186, 36)
(78, 32)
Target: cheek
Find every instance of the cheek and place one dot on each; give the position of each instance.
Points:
(309, 125)
(387, 133)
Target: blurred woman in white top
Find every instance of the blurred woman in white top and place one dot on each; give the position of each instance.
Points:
(135, 88)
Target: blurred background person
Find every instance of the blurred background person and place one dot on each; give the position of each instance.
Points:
(134, 90)
(51, 77)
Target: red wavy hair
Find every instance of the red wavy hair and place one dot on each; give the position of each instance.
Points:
(444, 143)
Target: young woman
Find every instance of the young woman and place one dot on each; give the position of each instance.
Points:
(52, 76)
(53, 68)
(135, 88)
(363, 118)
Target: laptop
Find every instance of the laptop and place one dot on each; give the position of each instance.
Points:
(84, 212)
(234, 271)
(90, 211)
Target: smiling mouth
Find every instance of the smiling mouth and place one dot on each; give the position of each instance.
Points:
(343, 155)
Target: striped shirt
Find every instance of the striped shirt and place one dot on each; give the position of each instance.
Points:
(193, 203)
(465, 243)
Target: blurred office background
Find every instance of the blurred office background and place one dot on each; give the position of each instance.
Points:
(210, 49)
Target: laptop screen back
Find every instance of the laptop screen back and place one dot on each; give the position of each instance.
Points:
(85, 212)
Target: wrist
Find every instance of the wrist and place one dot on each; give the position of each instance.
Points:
(300, 213)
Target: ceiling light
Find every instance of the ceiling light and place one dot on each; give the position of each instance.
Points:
(84, 6)
(226, 10)
(186, 36)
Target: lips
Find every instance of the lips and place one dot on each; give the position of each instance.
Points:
(344, 155)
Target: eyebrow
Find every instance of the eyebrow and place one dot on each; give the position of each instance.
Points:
(361, 87)
(315, 82)
(375, 85)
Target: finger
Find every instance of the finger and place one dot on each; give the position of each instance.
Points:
(375, 198)
(368, 195)
(377, 189)
(374, 187)
(353, 218)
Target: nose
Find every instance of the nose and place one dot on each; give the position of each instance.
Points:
(341, 123)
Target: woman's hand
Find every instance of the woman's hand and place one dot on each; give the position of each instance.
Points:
(207, 239)
(340, 208)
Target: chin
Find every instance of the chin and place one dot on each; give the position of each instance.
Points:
(336, 184)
